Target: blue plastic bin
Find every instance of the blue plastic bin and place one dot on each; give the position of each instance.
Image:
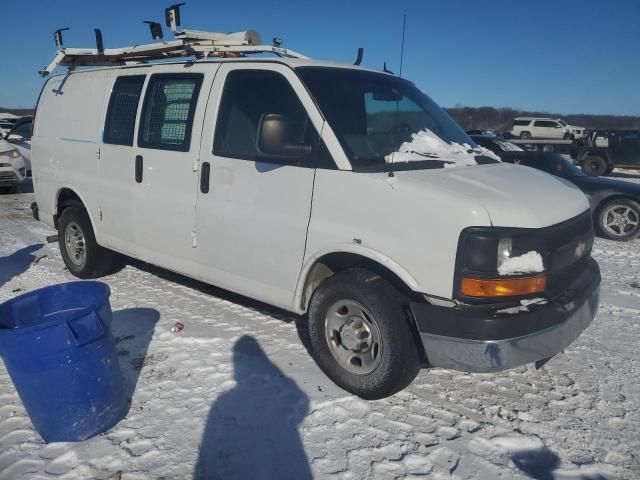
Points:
(57, 346)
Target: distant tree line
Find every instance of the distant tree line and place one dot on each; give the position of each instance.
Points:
(500, 119)
(20, 112)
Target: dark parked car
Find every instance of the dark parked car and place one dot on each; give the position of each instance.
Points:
(615, 204)
(603, 150)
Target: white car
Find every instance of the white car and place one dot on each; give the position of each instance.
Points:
(13, 170)
(544, 128)
(319, 188)
(20, 137)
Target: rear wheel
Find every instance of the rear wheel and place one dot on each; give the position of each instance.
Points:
(525, 135)
(360, 334)
(619, 219)
(81, 253)
(594, 166)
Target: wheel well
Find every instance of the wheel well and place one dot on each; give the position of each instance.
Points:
(333, 263)
(66, 198)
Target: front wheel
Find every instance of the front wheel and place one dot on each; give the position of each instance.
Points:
(619, 219)
(594, 166)
(360, 334)
(81, 253)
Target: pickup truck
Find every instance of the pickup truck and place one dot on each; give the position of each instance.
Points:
(604, 150)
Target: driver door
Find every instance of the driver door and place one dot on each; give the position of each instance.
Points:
(253, 209)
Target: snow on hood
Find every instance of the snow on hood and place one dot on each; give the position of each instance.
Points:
(426, 145)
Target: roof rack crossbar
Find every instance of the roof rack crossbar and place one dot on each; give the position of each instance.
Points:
(187, 43)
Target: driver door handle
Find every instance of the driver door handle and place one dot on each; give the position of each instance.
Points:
(139, 168)
(204, 177)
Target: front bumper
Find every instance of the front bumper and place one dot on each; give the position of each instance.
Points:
(479, 339)
(10, 178)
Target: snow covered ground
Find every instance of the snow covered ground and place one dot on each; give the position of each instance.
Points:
(235, 394)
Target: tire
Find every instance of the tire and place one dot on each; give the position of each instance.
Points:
(525, 135)
(359, 298)
(548, 149)
(594, 166)
(619, 219)
(88, 260)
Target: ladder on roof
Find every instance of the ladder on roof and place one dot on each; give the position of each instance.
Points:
(186, 43)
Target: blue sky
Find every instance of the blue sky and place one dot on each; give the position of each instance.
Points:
(570, 56)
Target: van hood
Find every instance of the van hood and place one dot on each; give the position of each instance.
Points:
(512, 195)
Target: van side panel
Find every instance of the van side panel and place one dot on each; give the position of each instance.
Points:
(65, 144)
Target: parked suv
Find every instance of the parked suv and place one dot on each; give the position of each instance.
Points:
(544, 128)
(20, 137)
(605, 150)
(13, 170)
(319, 188)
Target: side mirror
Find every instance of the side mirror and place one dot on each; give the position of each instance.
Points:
(276, 138)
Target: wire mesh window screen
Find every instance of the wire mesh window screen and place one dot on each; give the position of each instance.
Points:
(168, 111)
(121, 114)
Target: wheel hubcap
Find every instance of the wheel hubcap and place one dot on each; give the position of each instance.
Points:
(353, 337)
(75, 243)
(620, 220)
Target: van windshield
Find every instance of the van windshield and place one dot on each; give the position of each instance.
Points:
(373, 114)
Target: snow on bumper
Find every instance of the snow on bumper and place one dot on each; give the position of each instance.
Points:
(470, 341)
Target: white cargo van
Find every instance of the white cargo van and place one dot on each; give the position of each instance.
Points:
(295, 182)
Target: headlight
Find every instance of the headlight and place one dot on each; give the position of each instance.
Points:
(484, 252)
(11, 153)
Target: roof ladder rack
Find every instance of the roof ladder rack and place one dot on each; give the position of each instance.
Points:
(186, 43)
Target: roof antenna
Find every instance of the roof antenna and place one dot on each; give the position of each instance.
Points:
(386, 70)
(156, 30)
(99, 44)
(172, 16)
(359, 57)
(404, 26)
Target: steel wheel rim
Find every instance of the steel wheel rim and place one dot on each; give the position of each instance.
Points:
(620, 220)
(353, 337)
(75, 244)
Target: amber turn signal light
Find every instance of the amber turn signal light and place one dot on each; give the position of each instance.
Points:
(502, 287)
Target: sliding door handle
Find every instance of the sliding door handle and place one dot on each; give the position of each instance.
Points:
(204, 177)
(139, 168)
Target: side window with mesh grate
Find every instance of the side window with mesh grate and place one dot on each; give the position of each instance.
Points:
(121, 114)
(168, 111)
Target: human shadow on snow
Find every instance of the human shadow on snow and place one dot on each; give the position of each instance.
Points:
(17, 263)
(539, 463)
(252, 429)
